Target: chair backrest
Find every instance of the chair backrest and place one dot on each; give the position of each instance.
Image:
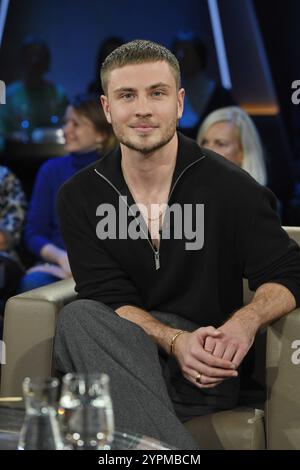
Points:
(283, 383)
(294, 233)
(283, 377)
(259, 349)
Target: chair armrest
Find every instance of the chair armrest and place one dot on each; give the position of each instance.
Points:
(29, 329)
(283, 383)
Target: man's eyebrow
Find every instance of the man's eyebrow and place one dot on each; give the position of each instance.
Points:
(127, 89)
(151, 87)
(158, 85)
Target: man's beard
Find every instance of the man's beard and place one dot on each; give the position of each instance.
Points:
(150, 148)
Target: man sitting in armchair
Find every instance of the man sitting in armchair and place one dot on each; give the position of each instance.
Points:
(160, 234)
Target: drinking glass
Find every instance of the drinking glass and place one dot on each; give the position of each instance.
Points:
(40, 430)
(85, 412)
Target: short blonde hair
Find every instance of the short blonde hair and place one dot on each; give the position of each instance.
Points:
(138, 51)
(253, 158)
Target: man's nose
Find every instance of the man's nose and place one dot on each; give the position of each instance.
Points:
(143, 107)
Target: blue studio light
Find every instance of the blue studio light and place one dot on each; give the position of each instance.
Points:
(25, 124)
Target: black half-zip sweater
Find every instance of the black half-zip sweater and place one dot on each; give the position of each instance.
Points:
(242, 239)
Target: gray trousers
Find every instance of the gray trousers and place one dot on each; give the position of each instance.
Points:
(150, 395)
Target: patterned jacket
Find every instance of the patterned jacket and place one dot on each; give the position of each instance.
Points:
(12, 207)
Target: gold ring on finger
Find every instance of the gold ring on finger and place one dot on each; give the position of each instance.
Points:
(198, 378)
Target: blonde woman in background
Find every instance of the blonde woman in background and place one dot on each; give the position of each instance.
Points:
(231, 133)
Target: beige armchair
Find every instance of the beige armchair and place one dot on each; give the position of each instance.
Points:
(29, 329)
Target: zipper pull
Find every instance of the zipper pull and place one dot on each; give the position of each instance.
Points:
(157, 260)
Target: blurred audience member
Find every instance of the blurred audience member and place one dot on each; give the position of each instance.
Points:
(109, 45)
(88, 136)
(32, 101)
(203, 94)
(12, 215)
(231, 133)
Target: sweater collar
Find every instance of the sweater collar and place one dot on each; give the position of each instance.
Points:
(188, 153)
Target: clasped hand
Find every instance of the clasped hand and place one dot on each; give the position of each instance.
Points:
(208, 356)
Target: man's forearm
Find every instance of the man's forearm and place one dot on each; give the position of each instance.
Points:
(158, 331)
(271, 301)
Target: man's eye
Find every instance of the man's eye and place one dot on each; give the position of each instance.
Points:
(126, 96)
(158, 93)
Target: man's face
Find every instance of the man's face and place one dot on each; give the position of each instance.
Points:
(143, 105)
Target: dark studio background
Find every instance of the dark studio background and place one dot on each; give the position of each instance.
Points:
(75, 29)
(279, 23)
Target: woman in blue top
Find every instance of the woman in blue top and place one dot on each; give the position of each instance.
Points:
(87, 136)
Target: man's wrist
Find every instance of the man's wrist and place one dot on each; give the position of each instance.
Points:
(247, 319)
(173, 341)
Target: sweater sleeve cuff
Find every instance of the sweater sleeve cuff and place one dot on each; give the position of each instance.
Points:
(117, 305)
(292, 286)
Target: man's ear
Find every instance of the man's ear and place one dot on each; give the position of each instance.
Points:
(180, 101)
(105, 106)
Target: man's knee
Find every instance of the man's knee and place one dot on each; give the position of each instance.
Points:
(79, 312)
(92, 316)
